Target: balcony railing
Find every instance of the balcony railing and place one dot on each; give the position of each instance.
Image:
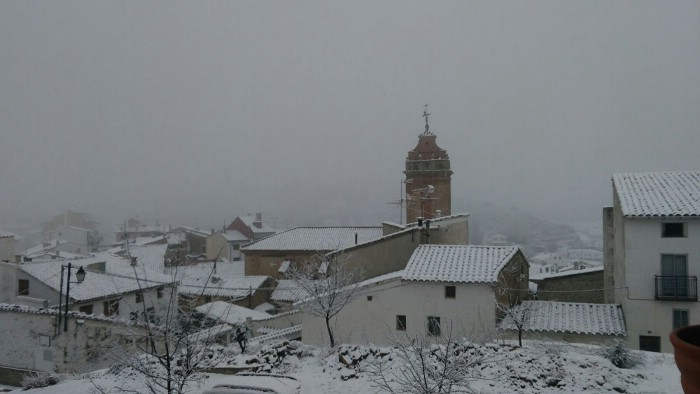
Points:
(677, 288)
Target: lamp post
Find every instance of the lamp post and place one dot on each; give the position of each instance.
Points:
(80, 277)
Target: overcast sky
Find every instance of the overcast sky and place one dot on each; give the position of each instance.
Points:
(200, 111)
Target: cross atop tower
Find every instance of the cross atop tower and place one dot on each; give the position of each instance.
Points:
(426, 115)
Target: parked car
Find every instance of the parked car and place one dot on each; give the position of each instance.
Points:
(257, 383)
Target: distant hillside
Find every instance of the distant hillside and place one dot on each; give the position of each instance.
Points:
(533, 234)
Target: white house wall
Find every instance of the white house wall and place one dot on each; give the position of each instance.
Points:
(38, 291)
(643, 247)
(78, 238)
(470, 314)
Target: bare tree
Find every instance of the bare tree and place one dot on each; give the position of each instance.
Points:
(171, 352)
(326, 284)
(509, 296)
(516, 317)
(428, 364)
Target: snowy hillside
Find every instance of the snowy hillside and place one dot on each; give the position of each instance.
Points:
(538, 367)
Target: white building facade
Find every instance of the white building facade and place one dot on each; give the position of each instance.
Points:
(444, 290)
(652, 254)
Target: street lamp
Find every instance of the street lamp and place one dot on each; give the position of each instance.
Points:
(80, 277)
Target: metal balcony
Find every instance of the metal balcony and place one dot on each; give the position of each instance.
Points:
(677, 288)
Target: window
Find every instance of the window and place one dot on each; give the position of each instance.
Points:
(159, 292)
(150, 314)
(650, 343)
(23, 287)
(204, 249)
(674, 270)
(139, 297)
(673, 230)
(434, 326)
(680, 318)
(450, 292)
(236, 246)
(400, 322)
(111, 308)
(87, 309)
(369, 298)
(133, 316)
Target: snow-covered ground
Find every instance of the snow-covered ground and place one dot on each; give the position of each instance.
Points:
(538, 367)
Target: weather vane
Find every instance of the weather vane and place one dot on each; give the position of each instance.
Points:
(426, 115)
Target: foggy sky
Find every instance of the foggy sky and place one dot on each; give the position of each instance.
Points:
(197, 112)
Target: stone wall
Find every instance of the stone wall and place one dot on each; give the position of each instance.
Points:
(559, 337)
(31, 341)
(584, 287)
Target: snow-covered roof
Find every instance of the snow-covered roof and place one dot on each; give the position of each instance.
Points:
(46, 255)
(248, 220)
(288, 290)
(659, 194)
(150, 256)
(234, 235)
(547, 275)
(221, 286)
(41, 249)
(224, 269)
(119, 247)
(458, 263)
(566, 317)
(265, 307)
(119, 277)
(548, 258)
(316, 238)
(191, 230)
(226, 312)
(381, 278)
(119, 265)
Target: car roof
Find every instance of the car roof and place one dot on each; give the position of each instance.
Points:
(257, 383)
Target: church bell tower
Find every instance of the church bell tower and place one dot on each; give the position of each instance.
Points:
(428, 178)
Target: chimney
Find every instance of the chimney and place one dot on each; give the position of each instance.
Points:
(212, 231)
(133, 260)
(258, 220)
